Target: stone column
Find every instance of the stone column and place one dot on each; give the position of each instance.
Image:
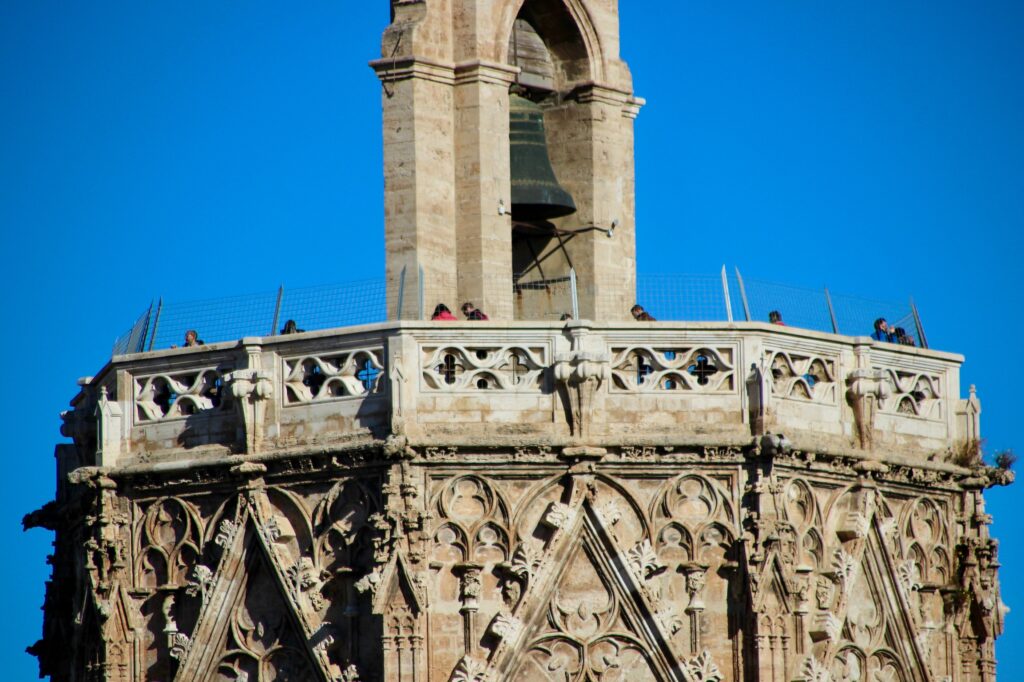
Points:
(419, 184)
(482, 184)
(590, 140)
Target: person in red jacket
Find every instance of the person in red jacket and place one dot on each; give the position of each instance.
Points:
(441, 312)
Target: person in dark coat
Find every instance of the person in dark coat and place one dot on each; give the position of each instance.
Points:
(291, 328)
(191, 339)
(472, 313)
(641, 315)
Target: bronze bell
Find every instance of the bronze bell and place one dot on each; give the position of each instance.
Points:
(536, 194)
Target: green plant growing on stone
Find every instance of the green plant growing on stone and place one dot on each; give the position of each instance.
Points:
(1005, 459)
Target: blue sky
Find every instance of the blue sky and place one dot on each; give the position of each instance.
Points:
(197, 149)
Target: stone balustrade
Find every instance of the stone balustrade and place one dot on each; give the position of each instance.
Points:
(498, 385)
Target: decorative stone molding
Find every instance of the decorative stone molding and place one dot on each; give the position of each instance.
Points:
(177, 394)
(914, 393)
(580, 375)
(470, 585)
(669, 618)
(111, 430)
(469, 669)
(844, 566)
(202, 580)
(225, 534)
(825, 626)
(505, 627)
(867, 390)
(319, 378)
(802, 377)
(968, 414)
(700, 369)
(812, 670)
(854, 525)
(250, 389)
(559, 516)
(645, 562)
(480, 368)
(824, 592)
(702, 669)
(177, 642)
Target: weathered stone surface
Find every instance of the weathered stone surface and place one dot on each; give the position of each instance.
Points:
(520, 500)
(433, 482)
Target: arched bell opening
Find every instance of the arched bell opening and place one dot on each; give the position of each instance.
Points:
(548, 47)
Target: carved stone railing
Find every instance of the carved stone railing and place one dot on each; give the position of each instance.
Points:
(494, 383)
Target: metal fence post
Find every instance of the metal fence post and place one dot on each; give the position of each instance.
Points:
(420, 278)
(917, 323)
(156, 322)
(401, 293)
(575, 294)
(831, 312)
(743, 295)
(725, 290)
(138, 343)
(277, 311)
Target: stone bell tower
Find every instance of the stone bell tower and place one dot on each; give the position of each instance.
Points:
(593, 500)
(447, 69)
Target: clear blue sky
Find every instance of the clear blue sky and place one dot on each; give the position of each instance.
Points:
(199, 149)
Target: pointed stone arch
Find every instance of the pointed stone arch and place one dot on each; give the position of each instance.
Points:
(249, 624)
(567, 16)
(589, 604)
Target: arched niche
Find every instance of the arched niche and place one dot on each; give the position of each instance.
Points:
(554, 44)
(555, 47)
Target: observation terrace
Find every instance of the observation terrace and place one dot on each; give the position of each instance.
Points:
(630, 390)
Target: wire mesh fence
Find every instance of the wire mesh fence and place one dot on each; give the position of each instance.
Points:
(131, 341)
(537, 298)
(697, 298)
(729, 296)
(261, 314)
(668, 297)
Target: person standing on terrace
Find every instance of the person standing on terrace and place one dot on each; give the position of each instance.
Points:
(883, 332)
(641, 315)
(472, 312)
(191, 339)
(441, 312)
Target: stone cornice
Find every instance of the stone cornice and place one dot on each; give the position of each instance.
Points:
(479, 71)
(392, 70)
